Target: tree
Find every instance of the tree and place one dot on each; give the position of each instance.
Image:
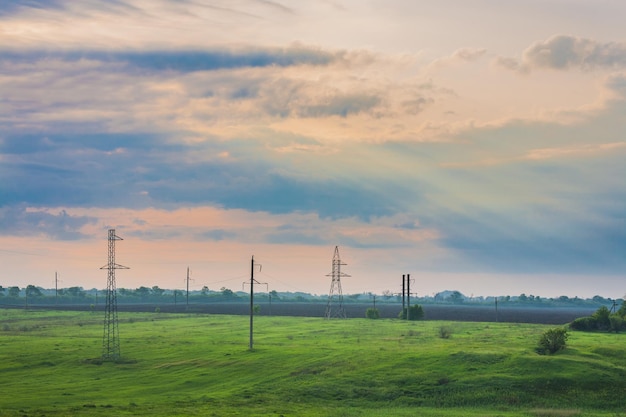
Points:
(226, 292)
(32, 291)
(456, 297)
(599, 299)
(14, 291)
(601, 320)
(618, 323)
(125, 292)
(76, 292)
(274, 295)
(416, 312)
(205, 290)
(157, 291)
(2, 290)
(142, 291)
(601, 317)
(552, 340)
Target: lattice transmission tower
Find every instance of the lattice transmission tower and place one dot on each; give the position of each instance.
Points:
(111, 339)
(334, 307)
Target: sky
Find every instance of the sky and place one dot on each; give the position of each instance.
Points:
(478, 146)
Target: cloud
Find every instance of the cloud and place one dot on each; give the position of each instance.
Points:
(180, 60)
(24, 221)
(463, 55)
(547, 153)
(562, 52)
(305, 145)
(9, 7)
(146, 170)
(341, 105)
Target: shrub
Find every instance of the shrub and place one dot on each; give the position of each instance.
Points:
(552, 340)
(416, 313)
(445, 332)
(600, 320)
(617, 323)
(372, 313)
(584, 324)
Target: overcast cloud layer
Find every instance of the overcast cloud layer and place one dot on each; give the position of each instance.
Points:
(451, 142)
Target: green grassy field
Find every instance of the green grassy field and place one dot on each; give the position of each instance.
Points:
(200, 365)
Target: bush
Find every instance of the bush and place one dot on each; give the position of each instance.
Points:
(552, 340)
(372, 313)
(600, 320)
(416, 313)
(584, 324)
(445, 332)
(618, 324)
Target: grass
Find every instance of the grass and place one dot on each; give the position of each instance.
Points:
(184, 365)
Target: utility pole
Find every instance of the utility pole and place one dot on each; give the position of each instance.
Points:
(403, 293)
(56, 287)
(252, 281)
(408, 296)
(251, 301)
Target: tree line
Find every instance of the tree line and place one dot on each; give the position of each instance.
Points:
(156, 294)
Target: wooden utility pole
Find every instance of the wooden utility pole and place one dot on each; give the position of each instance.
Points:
(403, 293)
(252, 281)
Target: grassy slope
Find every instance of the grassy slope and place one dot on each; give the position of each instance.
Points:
(200, 365)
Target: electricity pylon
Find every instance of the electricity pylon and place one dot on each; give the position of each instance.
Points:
(111, 339)
(334, 307)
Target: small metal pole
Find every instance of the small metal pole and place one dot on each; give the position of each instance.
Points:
(496, 309)
(187, 286)
(408, 296)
